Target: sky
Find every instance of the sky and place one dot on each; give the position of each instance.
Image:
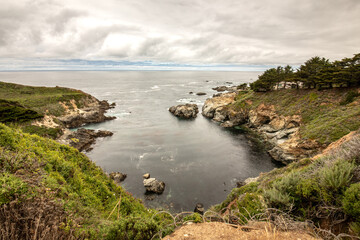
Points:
(174, 34)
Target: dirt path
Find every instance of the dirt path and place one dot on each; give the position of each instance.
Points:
(215, 230)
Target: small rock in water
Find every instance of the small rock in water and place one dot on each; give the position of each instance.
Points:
(200, 93)
(191, 93)
(146, 175)
(153, 185)
(199, 208)
(118, 176)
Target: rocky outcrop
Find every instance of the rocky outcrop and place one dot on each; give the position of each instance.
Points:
(82, 139)
(118, 177)
(281, 132)
(185, 110)
(93, 111)
(153, 185)
(225, 88)
(212, 104)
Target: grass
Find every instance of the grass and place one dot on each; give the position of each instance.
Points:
(40, 99)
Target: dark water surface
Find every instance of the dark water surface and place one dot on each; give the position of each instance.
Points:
(198, 160)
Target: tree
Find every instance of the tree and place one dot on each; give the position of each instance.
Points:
(309, 71)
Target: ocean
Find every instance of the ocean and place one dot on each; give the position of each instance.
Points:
(199, 161)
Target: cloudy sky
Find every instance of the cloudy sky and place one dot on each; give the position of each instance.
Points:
(171, 34)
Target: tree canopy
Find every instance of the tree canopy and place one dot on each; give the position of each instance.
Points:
(316, 72)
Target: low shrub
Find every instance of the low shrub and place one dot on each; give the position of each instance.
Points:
(351, 201)
(11, 187)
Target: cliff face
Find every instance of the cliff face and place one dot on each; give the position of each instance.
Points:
(92, 111)
(294, 130)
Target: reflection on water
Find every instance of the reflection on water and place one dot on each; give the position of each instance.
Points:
(198, 160)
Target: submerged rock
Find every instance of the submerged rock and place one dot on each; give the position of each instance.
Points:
(118, 176)
(154, 185)
(185, 111)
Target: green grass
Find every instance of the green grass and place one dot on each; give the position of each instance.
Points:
(41, 99)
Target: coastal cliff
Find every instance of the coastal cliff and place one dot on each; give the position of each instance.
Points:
(317, 135)
(293, 130)
(51, 112)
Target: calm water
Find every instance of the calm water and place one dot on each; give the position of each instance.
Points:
(198, 160)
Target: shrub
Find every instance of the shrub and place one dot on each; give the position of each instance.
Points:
(351, 201)
(249, 204)
(133, 228)
(277, 198)
(11, 187)
(349, 97)
(195, 217)
(338, 176)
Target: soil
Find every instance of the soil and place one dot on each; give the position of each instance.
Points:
(223, 231)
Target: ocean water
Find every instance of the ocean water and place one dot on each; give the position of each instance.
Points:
(197, 159)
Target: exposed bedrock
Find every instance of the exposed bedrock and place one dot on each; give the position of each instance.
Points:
(281, 132)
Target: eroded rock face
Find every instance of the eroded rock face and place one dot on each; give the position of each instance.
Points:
(282, 132)
(185, 110)
(154, 185)
(212, 104)
(82, 139)
(92, 112)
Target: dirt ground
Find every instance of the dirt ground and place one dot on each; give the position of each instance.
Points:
(222, 231)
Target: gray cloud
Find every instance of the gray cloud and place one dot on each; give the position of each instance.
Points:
(183, 31)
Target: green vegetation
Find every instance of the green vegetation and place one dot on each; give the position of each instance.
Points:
(324, 117)
(323, 190)
(52, 133)
(318, 73)
(41, 99)
(14, 112)
(38, 173)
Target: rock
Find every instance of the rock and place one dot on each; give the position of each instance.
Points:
(250, 180)
(118, 176)
(220, 88)
(113, 105)
(146, 175)
(200, 93)
(153, 185)
(83, 138)
(199, 208)
(185, 111)
(220, 100)
(92, 112)
(191, 92)
(239, 184)
(263, 114)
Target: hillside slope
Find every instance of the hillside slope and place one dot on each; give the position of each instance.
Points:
(50, 188)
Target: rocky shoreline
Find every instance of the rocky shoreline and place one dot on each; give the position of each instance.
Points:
(281, 132)
(92, 111)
